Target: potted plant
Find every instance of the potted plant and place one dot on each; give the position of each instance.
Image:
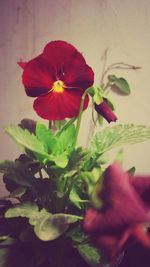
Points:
(66, 204)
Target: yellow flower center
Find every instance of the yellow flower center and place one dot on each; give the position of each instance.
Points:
(58, 86)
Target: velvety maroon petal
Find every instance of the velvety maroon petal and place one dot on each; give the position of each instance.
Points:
(69, 64)
(58, 106)
(78, 75)
(123, 215)
(22, 64)
(140, 183)
(141, 235)
(116, 193)
(105, 111)
(60, 52)
(38, 77)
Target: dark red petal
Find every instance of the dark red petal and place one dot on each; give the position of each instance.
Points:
(22, 64)
(58, 106)
(140, 183)
(122, 205)
(60, 52)
(38, 77)
(141, 235)
(109, 245)
(78, 75)
(105, 111)
(69, 64)
(142, 186)
(118, 193)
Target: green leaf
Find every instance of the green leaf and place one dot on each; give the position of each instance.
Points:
(27, 210)
(47, 226)
(118, 135)
(65, 140)
(77, 235)
(123, 85)
(75, 197)
(90, 254)
(46, 137)
(25, 139)
(98, 98)
(61, 160)
(120, 83)
(52, 226)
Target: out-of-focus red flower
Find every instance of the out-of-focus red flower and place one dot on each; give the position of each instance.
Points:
(58, 77)
(124, 214)
(105, 111)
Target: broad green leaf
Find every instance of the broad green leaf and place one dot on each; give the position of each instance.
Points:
(90, 254)
(120, 83)
(27, 210)
(52, 226)
(61, 160)
(123, 85)
(30, 141)
(65, 140)
(47, 226)
(46, 137)
(25, 139)
(118, 135)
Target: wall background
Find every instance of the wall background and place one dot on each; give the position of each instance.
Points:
(92, 26)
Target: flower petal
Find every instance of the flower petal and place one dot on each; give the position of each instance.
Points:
(123, 216)
(22, 64)
(69, 64)
(60, 52)
(58, 106)
(38, 77)
(105, 111)
(78, 75)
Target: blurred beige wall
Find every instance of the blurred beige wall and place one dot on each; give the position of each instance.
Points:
(92, 26)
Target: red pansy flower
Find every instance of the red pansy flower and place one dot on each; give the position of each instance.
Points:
(124, 214)
(58, 77)
(105, 111)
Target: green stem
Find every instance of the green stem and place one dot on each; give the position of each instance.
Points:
(80, 115)
(67, 124)
(50, 124)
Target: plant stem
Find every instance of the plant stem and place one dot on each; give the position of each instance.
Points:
(40, 174)
(118, 65)
(80, 115)
(67, 124)
(50, 124)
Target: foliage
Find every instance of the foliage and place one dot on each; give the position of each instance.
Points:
(53, 182)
